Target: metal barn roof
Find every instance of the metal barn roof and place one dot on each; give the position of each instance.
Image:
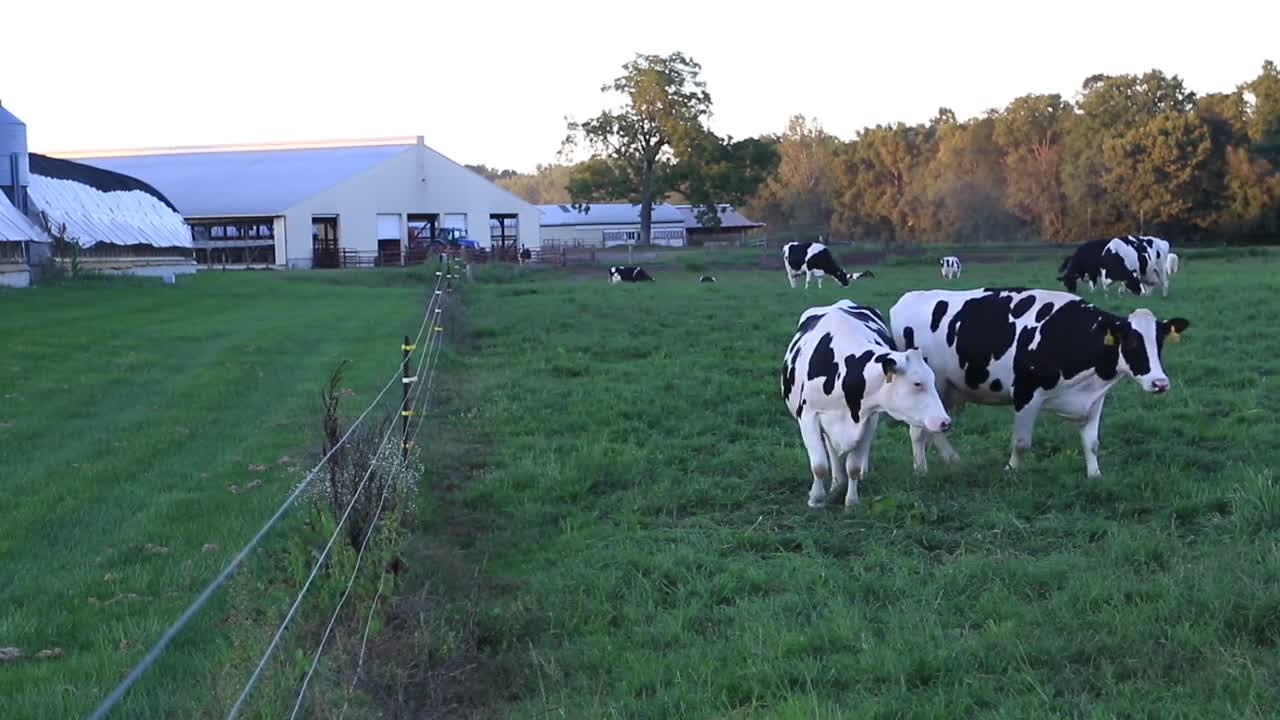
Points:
(730, 219)
(14, 226)
(606, 214)
(229, 182)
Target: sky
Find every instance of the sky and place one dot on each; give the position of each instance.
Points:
(492, 82)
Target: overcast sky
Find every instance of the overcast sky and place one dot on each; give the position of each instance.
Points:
(491, 82)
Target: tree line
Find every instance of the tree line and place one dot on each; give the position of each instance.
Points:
(1127, 153)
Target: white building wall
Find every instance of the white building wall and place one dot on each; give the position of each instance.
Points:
(593, 235)
(418, 180)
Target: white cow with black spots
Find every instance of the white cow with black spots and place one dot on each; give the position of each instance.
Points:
(814, 260)
(950, 266)
(1032, 349)
(839, 374)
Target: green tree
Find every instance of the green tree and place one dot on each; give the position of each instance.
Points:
(800, 193)
(547, 186)
(661, 121)
(965, 185)
(1263, 111)
(1108, 107)
(1153, 170)
(1029, 132)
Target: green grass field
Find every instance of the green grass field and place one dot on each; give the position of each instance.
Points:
(129, 413)
(641, 516)
(616, 466)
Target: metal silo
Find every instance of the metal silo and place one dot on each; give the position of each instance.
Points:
(15, 169)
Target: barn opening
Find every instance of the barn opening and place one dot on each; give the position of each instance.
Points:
(504, 231)
(234, 241)
(389, 245)
(324, 241)
(422, 229)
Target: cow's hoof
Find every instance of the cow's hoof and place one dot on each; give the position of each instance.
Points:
(951, 459)
(817, 502)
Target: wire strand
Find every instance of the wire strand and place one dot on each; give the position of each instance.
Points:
(158, 648)
(396, 465)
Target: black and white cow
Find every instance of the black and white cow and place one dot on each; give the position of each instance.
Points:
(628, 273)
(1136, 262)
(840, 373)
(1085, 263)
(707, 279)
(1032, 349)
(950, 267)
(815, 260)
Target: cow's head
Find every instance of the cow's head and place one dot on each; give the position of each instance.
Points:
(909, 392)
(841, 277)
(1140, 339)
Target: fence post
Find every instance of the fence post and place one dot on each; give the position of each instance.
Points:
(404, 402)
(469, 278)
(564, 258)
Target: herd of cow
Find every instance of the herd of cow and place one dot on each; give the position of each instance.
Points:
(1032, 349)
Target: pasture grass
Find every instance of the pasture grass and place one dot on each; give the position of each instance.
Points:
(641, 494)
(146, 432)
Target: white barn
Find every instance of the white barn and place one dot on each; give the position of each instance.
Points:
(609, 225)
(327, 204)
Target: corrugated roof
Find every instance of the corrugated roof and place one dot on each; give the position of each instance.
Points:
(247, 182)
(606, 214)
(14, 226)
(729, 218)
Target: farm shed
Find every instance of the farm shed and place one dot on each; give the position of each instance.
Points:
(609, 225)
(111, 222)
(326, 204)
(733, 227)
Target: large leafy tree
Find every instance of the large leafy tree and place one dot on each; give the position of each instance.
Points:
(1108, 107)
(1154, 169)
(800, 193)
(656, 141)
(1029, 132)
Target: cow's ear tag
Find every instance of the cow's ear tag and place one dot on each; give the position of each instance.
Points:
(1109, 339)
(1174, 336)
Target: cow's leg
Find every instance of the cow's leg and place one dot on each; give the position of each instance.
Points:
(1024, 421)
(819, 277)
(1089, 438)
(838, 475)
(819, 464)
(806, 279)
(858, 461)
(791, 280)
(919, 462)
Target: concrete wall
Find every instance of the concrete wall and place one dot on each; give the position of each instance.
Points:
(419, 180)
(15, 276)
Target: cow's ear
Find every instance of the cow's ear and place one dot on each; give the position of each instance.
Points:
(888, 365)
(1109, 331)
(1174, 328)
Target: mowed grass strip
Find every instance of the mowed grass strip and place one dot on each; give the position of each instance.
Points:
(146, 432)
(645, 489)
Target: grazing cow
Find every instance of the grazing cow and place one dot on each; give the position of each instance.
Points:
(706, 278)
(950, 267)
(815, 260)
(839, 374)
(1086, 263)
(1136, 262)
(628, 273)
(1034, 350)
(1171, 264)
